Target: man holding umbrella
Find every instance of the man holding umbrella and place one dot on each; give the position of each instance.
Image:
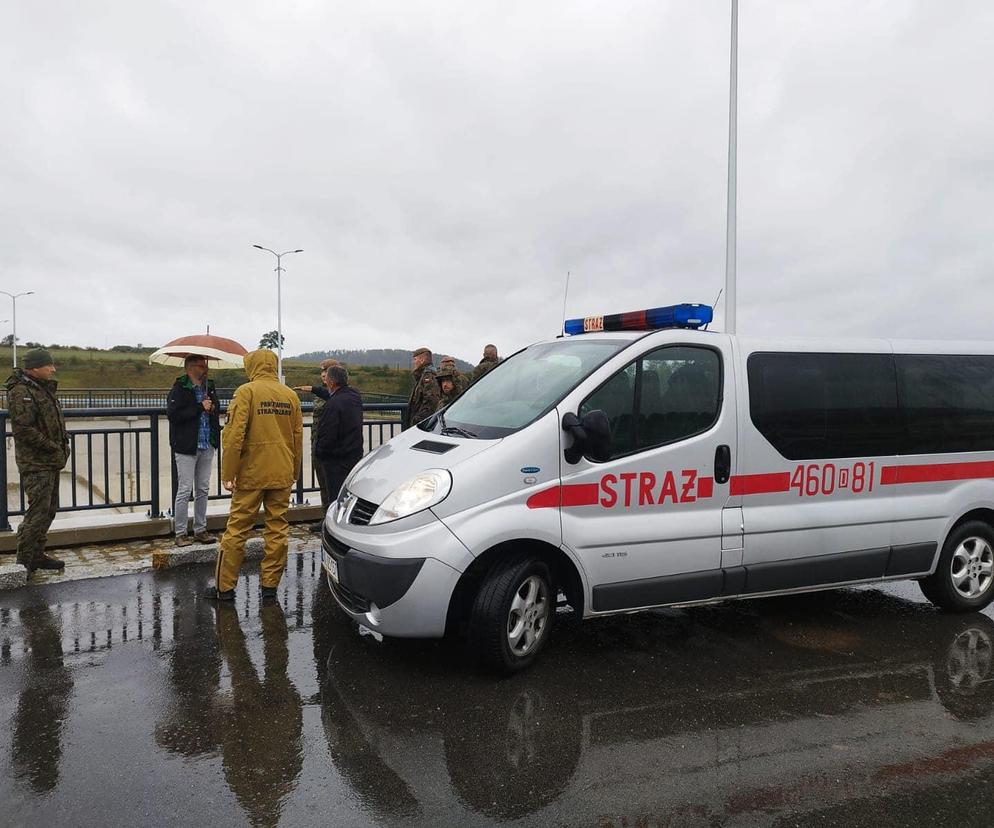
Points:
(194, 434)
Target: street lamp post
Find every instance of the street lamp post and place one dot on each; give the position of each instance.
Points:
(13, 301)
(279, 304)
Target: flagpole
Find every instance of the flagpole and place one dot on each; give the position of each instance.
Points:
(730, 239)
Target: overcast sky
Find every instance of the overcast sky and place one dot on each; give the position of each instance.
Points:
(444, 164)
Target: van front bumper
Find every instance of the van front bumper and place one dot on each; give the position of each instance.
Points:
(401, 597)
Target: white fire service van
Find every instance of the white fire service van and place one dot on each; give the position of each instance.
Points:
(641, 462)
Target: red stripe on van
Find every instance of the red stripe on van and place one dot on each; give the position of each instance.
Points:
(575, 494)
(750, 484)
(935, 473)
(705, 487)
(581, 494)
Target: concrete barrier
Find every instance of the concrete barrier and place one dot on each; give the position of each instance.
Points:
(200, 553)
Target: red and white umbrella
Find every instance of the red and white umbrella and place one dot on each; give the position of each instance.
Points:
(220, 352)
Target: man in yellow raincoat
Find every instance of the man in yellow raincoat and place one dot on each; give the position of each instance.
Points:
(261, 449)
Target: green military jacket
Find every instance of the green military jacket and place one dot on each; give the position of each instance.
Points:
(316, 421)
(484, 366)
(424, 396)
(41, 442)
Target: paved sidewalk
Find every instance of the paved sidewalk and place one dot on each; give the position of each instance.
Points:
(105, 559)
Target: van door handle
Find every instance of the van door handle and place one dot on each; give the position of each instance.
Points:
(722, 464)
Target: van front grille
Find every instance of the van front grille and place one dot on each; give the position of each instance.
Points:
(362, 512)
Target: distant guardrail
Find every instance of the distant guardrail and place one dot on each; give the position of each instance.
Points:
(151, 397)
(120, 460)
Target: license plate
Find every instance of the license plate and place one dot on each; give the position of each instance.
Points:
(332, 566)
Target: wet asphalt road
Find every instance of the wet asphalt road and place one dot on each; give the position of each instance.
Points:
(131, 700)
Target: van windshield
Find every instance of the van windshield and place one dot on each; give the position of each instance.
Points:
(524, 387)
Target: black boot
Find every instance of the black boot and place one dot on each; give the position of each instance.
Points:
(47, 562)
(212, 594)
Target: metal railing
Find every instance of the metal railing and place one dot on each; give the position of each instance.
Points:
(151, 397)
(122, 466)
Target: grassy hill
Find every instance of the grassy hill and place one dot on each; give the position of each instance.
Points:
(93, 368)
(392, 357)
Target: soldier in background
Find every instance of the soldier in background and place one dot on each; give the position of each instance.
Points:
(459, 381)
(488, 363)
(447, 388)
(321, 394)
(424, 394)
(41, 449)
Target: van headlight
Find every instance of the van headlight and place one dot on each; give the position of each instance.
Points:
(421, 492)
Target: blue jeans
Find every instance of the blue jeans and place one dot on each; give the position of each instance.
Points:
(193, 474)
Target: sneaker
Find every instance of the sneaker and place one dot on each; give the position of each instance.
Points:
(212, 594)
(49, 563)
(204, 537)
(183, 540)
(268, 593)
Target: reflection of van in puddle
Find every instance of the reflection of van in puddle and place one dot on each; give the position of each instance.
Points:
(775, 709)
(634, 468)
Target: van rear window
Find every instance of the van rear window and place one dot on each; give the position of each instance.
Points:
(818, 406)
(947, 401)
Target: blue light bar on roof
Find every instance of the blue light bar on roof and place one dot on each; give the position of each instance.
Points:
(672, 316)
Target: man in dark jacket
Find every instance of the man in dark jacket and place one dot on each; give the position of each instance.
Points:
(41, 448)
(321, 395)
(194, 434)
(339, 445)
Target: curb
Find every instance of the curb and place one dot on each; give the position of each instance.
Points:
(201, 553)
(13, 576)
(59, 538)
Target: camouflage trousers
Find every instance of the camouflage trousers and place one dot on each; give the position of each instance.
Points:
(42, 491)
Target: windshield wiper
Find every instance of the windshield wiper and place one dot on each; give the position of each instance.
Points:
(461, 432)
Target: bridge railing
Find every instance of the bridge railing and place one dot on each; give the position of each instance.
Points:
(150, 397)
(120, 460)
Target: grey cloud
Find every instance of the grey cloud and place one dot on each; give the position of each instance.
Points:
(443, 165)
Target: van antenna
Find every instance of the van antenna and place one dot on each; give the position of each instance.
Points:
(565, 294)
(715, 304)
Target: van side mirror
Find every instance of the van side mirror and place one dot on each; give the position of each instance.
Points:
(591, 437)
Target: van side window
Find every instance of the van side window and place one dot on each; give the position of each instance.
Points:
(948, 402)
(664, 396)
(680, 394)
(616, 398)
(817, 406)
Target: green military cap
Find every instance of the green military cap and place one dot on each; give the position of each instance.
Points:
(37, 358)
(421, 351)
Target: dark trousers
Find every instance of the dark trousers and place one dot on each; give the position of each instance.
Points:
(326, 497)
(42, 491)
(335, 470)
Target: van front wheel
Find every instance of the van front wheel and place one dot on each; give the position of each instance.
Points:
(963, 581)
(512, 614)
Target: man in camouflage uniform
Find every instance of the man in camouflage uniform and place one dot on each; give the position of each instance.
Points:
(41, 448)
(321, 395)
(424, 394)
(488, 363)
(458, 380)
(447, 388)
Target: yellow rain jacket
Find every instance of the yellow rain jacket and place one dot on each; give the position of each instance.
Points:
(261, 445)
